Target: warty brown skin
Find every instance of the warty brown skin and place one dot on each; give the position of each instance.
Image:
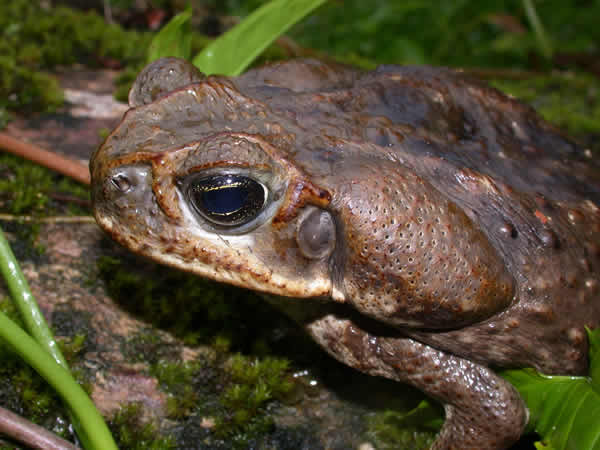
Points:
(419, 225)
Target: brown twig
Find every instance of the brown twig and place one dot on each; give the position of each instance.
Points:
(19, 429)
(51, 160)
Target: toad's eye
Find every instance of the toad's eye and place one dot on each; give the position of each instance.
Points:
(227, 200)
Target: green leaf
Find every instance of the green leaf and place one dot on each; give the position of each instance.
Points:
(564, 410)
(233, 52)
(174, 39)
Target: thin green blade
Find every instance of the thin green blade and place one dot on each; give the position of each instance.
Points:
(233, 52)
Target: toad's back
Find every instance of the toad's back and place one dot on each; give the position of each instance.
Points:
(424, 111)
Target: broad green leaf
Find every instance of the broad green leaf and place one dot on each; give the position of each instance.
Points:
(564, 410)
(174, 39)
(233, 52)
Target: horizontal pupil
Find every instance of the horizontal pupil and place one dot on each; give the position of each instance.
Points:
(224, 200)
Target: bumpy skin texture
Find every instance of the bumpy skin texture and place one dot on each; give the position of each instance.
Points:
(420, 226)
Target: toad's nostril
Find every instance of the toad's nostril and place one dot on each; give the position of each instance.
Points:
(121, 182)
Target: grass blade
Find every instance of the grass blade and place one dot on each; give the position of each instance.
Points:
(25, 302)
(538, 29)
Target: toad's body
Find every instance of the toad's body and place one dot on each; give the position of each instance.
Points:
(420, 226)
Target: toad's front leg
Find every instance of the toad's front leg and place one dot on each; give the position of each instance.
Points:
(483, 410)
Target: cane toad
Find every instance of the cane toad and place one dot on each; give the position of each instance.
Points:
(420, 226)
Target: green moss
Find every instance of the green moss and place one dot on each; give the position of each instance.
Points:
(26, 90)
(72, 347)
(34, 394)
(172, 375)
(35, 38)
(232, 391)
(147, 346)
(385, 432)
(8, 307)
(570, 101)
(131, 433)
(253, 383)
(267, 375)
(39, 37)
(29, 189)
(21, 186)
(221, 344)
(177, 379)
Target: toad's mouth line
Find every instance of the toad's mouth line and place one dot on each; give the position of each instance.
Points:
(246, 272)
